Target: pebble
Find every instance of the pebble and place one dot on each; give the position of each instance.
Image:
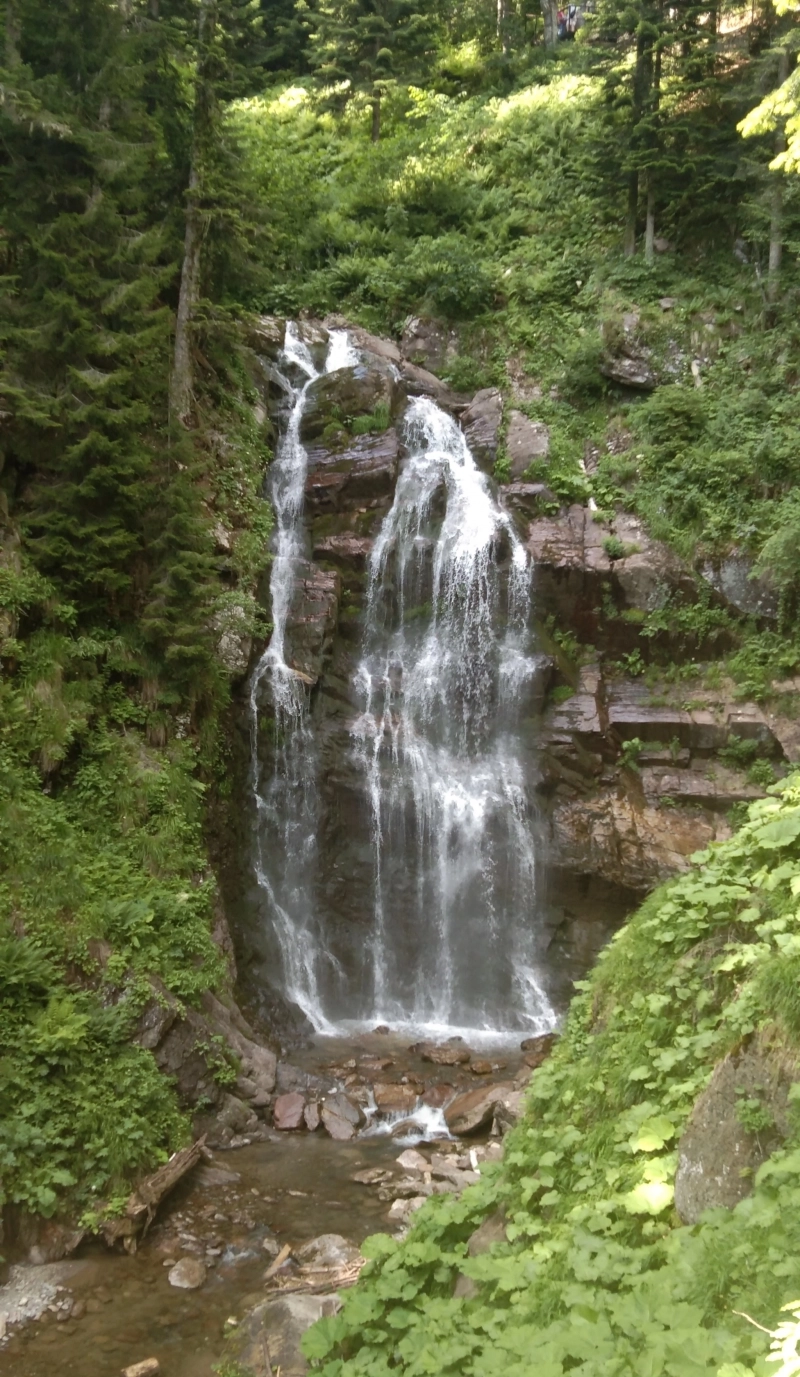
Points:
(187, 1274)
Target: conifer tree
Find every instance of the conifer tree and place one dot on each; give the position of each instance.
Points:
(368, 45)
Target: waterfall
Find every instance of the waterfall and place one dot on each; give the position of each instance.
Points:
(439, 740)
(443, 678)
(285, 802)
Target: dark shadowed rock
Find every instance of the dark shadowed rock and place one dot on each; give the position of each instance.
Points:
(420, 383)
(363, 472)
(525, 500)
(481, 426)
(718, 1154)
(526, 441)
(288, 1111)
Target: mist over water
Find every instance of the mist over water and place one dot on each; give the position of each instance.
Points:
(443, 681)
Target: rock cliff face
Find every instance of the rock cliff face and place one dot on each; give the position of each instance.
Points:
(628, 780)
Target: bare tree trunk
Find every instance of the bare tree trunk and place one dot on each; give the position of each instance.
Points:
(550, 16)
(629, 239)
(12, 57)
(181, 392)
(502, 25)
(650, 221)
(776, 201)
(376, 114)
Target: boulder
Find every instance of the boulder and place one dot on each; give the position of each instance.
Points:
(400, 1211)
(156, 1017)
(341, 1116)
(490, 1232)
(349, 392)
(188, 1274)
(420, 383)
(265, 335)
(268, 1338)
(481, 426)
(509, 1110)
(429, 342)
(525, 500)
(411, 1160)
(631, 370)
(526, 441)
(328, 1250)
(392, 1098)
(537, 1049)
(475, 1109)
(448, 1054)
(733, 580)
(436, 1096)
(288, 1111)
(719, 1154)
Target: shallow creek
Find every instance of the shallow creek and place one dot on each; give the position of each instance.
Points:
(235, 1212)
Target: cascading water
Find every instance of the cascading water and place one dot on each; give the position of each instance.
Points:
(443, 681)
(286, 801)
(439, 742)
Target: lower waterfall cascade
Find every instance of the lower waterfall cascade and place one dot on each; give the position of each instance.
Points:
(439, 740)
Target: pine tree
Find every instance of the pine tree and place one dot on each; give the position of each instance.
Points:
(369, 45)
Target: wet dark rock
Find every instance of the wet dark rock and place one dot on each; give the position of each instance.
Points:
(346, 550)
(525, 500)
(341, 1116)
(526, 441)
(420, 383)
(288, 1111)
(311, 622)
(481, 426)
(718, 1155)
(362, 339)
(363, 471)
(475, 1109)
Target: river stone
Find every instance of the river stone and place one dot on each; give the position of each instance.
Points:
(188, 1274)
(717, 1156)
(311, 1116)
(149, 1367)
(289, 1111)
(411, 1160)
(446, 1055)
(508, 1110)
(475, 1109)
(394, 1099)
(268, 1338)
(341, 1116)
(436, 1096)
(328, 1250)
(526, 441)
(481, 426)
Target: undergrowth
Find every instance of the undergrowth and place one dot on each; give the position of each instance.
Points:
(598, 1275)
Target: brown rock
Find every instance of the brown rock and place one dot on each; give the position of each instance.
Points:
(481, 1068)
(436, 1096)
(474, 1109)
(343, 480)
(447, 1054)
(288, 1112)
(348, 392)
(311, 1115)
(537, 1049)
(394, 1099)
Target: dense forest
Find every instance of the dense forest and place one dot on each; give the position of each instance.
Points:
(172, 169)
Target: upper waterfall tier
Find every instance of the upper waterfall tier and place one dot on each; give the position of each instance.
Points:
(437, 760)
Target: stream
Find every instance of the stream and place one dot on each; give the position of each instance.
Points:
(235, 1211)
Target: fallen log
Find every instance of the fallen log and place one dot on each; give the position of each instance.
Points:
(143, 1203)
